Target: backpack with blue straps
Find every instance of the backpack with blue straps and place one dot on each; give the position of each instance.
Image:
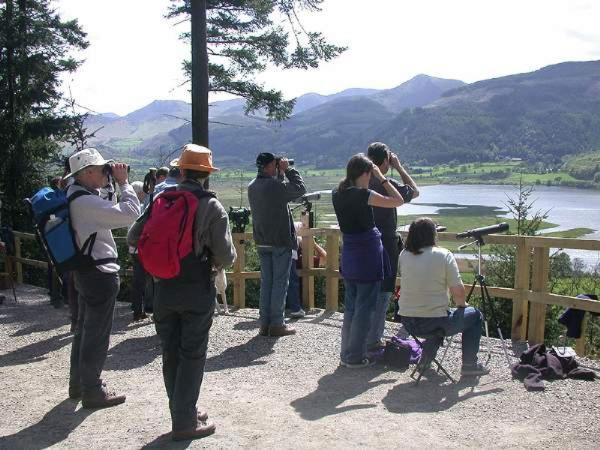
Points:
(52, 222)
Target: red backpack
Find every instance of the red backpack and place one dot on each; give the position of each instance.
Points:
(168, 234)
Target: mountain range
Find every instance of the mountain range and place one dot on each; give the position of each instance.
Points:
(541, 115)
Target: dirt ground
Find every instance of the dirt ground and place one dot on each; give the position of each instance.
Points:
(272, 393)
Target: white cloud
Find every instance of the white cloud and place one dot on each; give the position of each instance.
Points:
(135, 55)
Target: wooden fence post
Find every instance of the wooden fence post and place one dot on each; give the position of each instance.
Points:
(333, 264)
(239, 282)
(308, 281)
(520, 308)
(539, 282)
(18, 264)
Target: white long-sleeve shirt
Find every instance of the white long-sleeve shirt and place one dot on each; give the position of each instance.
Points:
(93, 214)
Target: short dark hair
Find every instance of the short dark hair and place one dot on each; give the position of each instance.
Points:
(195, 175)
(174, 172)
(162, 172)
(378, 152)
(422, 233)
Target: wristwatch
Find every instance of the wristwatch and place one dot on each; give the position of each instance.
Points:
(385, 180)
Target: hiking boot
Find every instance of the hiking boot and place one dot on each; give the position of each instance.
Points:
(201, 430)
(281, 330)
(263, 330)
(74, 392)
(474, 370)
(298, 314)
(202, 416)
(104, 399)
(366, 362)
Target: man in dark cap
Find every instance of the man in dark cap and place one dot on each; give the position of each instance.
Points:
(275, 236)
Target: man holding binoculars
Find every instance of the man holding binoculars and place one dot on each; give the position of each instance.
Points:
(97, 281)
(275, 236)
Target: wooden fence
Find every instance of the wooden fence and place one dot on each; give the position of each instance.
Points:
(529, 295)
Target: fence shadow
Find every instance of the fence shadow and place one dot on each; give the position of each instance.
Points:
(55, 427)
(336, 388)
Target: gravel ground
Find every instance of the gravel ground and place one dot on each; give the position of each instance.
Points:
(272, 393)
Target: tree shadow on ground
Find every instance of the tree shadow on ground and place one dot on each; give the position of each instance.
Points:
(242, 355)
(36, 351)
(54, 428)
(430, 395)
(334, 389)
(133, 353)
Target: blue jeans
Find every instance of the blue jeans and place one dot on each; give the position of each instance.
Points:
(465, 320)
(359, 303)
(274, 279)
(292, 301)
(378, 320)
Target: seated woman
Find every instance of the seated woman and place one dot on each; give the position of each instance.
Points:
(427, 273)
(364, 262)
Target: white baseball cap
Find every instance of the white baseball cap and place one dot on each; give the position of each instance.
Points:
(84, 158)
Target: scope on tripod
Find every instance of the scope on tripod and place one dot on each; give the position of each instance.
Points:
(479, 232)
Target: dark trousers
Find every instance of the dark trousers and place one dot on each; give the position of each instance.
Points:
(138, 286)
(97, 292)
(182, 323)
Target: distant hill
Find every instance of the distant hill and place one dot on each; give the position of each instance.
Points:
(322, 127)
(542, 115)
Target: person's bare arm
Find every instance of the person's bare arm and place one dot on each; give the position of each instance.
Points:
(459, 295)
(321, 253)
(392, 200)
(406, 178)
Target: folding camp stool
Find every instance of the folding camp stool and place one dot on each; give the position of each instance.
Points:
(425, 361)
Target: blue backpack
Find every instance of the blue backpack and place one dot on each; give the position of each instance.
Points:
(52, 222)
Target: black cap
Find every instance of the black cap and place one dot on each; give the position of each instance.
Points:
(264, 158)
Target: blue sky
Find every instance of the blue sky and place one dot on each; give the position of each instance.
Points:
(135, 55)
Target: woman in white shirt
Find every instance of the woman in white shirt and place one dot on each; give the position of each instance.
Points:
(428, 274)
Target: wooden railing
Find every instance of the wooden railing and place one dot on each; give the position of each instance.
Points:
(529, 295)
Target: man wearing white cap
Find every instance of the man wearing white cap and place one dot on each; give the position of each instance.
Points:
(184, 304)
(97, 280)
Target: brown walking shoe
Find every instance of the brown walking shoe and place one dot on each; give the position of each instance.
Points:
(103, 400)
(263, 330)
(281, 330)
(202, 429)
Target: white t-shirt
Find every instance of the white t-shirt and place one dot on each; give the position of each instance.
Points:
(424, 281)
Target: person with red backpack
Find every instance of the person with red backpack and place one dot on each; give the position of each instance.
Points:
(182, 239)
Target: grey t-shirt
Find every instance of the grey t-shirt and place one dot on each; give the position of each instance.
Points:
(424, 281)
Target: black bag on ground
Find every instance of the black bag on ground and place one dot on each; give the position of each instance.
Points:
(396, 356)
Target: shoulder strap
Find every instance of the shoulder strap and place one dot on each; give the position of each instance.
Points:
(89, 242)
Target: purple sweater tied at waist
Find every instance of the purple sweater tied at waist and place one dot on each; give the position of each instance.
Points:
(364, 260)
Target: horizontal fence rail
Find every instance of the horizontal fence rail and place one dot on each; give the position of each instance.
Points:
(529, 294)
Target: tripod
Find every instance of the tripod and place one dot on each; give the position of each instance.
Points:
(486, 303)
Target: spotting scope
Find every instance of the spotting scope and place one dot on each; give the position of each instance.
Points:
(476, 233)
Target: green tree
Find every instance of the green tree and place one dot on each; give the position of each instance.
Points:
(35, 50)
(244, 36)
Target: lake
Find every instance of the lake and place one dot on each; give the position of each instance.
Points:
(567, 207)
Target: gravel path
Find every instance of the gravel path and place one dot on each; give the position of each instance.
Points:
(272, 393)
